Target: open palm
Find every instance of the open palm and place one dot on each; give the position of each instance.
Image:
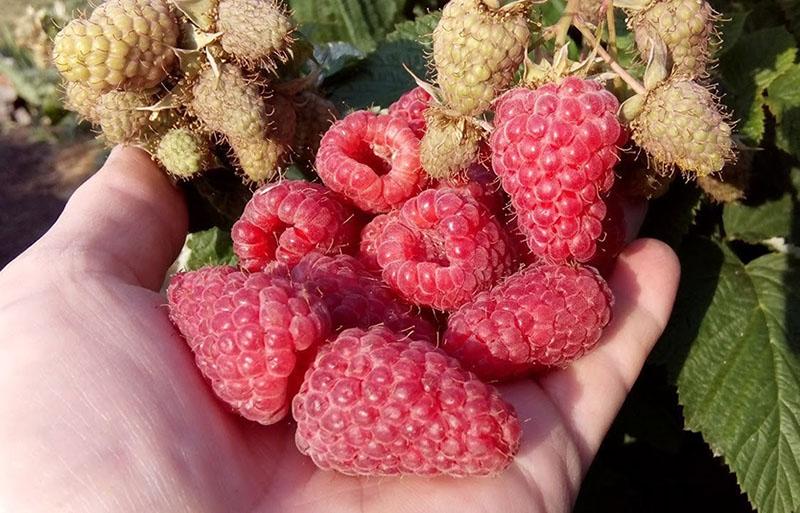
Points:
(102, 409)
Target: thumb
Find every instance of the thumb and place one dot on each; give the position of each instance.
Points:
(127, 220)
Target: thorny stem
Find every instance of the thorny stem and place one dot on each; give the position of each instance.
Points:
(562, 26)
(613, 64)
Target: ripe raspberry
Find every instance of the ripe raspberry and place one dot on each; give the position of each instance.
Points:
(286, 220)
(315, 115)
(543, 316)
(411, 107)
(255, 32)
(250, 333)
(479, 182)
(125, 44)
(82, 100)
(184, 153)
(368, 246)
(120, 117)
(685, 26)
(477, 48)
(554, 149)
(375, 403)
(613, 239)
(371, 159)
(449, 145)
(681, 125)
(356, 298)
(442, 248)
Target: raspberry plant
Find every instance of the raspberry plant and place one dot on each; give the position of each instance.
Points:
(708, 131)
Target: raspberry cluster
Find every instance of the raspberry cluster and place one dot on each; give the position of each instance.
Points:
(380, 302)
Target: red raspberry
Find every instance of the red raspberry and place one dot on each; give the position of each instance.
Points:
(480, 182)
(357, 299)
(368, 248)
(376, 403)
(284, 221)
(613, 240)
(371, 159)
(441, 248)
(249, 333)
(543, 316)
(554, 149)
(411, 107)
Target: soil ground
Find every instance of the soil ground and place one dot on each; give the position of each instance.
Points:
(38, 178)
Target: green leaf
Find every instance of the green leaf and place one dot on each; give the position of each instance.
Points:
(757, 224)
(336, 57)
(733, 348)
(381, 78)
(749, 67)
(360, 22)
(732, 27)
(783, 98)
(420, 29)
(210, 247)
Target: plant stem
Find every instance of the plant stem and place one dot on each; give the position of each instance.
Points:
(611, 22)
(613, 64)
(612, 30)
(561, 28)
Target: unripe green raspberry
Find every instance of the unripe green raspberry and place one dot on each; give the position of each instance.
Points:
(260, 160)
(449, 145)
(687, 29)
(255, 32)
(82, 100)
(477, 48)
(230, 104)
(124, 44)
(120, 116)
(681, 125)
(234, 106)
(184, 153)
(315, 115)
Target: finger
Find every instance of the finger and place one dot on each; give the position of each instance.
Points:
(127, 220)
(591, 391)
(635, 211)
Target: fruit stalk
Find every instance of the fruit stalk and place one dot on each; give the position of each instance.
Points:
(629, 79)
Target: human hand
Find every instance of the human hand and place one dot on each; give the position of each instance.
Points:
(102, 408)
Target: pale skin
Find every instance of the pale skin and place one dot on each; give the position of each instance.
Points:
(102, 408)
